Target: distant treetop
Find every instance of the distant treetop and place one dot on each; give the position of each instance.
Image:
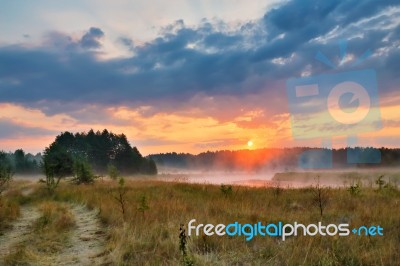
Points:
(99, 149)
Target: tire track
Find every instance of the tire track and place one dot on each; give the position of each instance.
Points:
(85, 245)
(87, 241)
(20, 231)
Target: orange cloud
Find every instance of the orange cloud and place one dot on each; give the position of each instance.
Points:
(180, 132)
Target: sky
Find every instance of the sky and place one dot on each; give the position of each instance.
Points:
(192, 76)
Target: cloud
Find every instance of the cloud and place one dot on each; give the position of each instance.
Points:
(91, 39)
(11, 129)
(211, 59)
(126, 42)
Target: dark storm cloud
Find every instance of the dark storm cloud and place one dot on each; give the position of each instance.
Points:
(209, 59)
(91, 38)
(10, 129)
(301, 21)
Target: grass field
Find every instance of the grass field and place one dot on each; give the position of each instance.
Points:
(148, 231)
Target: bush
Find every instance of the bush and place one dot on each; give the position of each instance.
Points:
(320, 197)
(51, 181)
(380, 182)
(120, 196)
(226, 189)
(143, 206)
(354, 189)
(83, 172)
(112, 172)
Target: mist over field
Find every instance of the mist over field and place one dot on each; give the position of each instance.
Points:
(296, 178)
(273, 167)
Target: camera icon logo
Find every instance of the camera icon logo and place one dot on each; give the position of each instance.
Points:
(359, 94)
(337, 104)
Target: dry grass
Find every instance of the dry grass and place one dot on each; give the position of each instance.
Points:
(55, 217)
(9, 211)
(10, 201)
(151, 238)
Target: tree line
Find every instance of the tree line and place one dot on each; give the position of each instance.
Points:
(269, 158)
(21, 163)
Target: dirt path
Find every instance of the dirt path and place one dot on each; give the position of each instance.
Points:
(87, 242)
(20, 230)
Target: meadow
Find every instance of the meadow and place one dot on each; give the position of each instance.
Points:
(141, 219)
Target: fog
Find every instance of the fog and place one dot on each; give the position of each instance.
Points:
(296, 178)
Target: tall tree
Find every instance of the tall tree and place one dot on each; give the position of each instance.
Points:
(58, 161)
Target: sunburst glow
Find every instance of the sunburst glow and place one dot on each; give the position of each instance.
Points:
(250, 143)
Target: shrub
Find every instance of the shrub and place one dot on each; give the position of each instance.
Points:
(226, 189)
(112, 172)
(354, 189)
(83, 172)
(51, 181)
(120, 197)
(186, 259)
(320, 197)
(380, 182)
(277, 189)
(143, 206)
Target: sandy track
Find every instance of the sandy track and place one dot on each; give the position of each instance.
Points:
(20, 230)
(87, 242)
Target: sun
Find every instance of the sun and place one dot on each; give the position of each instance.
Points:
(250, 143)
